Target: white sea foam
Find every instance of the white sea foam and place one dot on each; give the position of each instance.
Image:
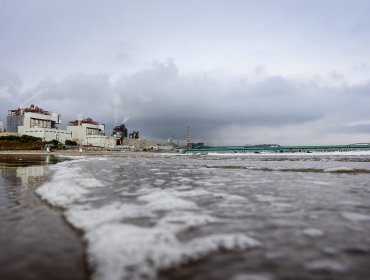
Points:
(253, 276)
(179, 220)
(313, 232)
(164, 200)
(339, 169)
(66, 186)
(138, 222)
(325, 265)
(87, 218)
(321, 183)
(355, 217)
(281, 205)
(229, 197)
(267, 198)
(192, 193)
(121, 251)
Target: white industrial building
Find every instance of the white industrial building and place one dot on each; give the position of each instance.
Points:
(47, 134)
(37, 122)
(89, 132)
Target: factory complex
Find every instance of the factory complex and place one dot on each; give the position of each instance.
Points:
(85, 132)
(37, 122)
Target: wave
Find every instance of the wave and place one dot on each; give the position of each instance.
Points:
(135, 238)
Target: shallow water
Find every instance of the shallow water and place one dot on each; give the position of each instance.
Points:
(35, 240)
(219, 217)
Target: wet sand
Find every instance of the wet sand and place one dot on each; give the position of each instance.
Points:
(35, 240)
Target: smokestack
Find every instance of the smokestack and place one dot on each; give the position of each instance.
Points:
(189, 135)
(79, 119)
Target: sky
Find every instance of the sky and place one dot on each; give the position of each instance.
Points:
(237, 72)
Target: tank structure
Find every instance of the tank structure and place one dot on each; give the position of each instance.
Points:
(134, 135)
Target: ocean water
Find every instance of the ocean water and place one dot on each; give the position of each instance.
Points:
(238, 217)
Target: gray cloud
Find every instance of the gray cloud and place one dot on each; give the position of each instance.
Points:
(246, 71)
(161, 102)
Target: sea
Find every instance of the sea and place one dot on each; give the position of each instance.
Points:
(198, 216)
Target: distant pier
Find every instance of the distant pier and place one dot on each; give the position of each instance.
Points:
(278, 149)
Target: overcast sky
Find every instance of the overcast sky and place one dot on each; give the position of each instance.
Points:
(237, 72)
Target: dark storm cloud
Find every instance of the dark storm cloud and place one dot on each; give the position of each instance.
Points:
(161, 102)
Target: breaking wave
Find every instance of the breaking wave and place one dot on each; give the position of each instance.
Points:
(135, 238)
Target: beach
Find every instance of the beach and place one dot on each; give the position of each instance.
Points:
(119, 215)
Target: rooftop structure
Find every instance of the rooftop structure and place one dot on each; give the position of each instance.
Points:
(83, 121)
(31, 109)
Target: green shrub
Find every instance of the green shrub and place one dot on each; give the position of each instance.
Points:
(54, 142)
(10, 138)
(28, 138)
(71, 143)
(23, 138)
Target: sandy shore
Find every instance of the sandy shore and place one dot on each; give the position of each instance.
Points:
(77, 153)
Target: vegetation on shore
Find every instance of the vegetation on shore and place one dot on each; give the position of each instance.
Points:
(27, 142)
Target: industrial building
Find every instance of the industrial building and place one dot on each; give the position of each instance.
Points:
(120, 132)
(31, 117)
(36, 122)
(44, 124)
(89, 132)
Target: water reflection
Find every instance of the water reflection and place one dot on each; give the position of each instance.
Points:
(35, 241)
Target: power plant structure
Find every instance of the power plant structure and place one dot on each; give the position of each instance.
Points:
(120, 132)
(37, 122)
(31, 117)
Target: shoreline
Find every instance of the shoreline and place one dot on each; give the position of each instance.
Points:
(76, 153)
(31, 224)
